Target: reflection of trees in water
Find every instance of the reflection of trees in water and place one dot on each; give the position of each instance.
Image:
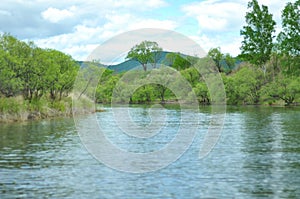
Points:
(28, 144)
(268, 166)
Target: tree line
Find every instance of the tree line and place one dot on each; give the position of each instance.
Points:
(34, 72)
(268, 74)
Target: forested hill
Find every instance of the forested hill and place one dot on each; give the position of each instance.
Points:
(163, 58)
(131, 63)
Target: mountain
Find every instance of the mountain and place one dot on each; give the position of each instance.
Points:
(130, 64)
(133, 64)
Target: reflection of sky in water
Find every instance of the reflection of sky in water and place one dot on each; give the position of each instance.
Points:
(257, 156)
(164, 124)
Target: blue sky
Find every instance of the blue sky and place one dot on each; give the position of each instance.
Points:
(77, 27)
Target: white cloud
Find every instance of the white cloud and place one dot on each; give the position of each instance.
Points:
(219, 22)
(152, 23)
(213, 15)
(81, 42)
(140, 4)
(55, 15)
(77, 26)
(231, 46)
(5, 12)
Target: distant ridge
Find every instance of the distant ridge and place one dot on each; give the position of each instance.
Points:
(133, 64)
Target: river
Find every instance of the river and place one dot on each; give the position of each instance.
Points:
(257, 155)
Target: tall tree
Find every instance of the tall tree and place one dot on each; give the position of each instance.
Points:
(145, 52)
(217, 56)
(12, 54)
(289, 38)
(221, 60)
(258, 35)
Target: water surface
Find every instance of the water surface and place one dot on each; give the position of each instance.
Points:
(258, 155)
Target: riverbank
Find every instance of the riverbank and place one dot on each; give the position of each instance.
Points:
(16, 109)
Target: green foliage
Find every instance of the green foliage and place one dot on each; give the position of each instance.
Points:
(87, 80)
(34, 81)
(144, 94)
(177, 61)
(60, 74)
(11, 65)
(258, 34)
(37, 105)
(243, 87)
(202, 93)
(33, 72)
(58, 105)
(289, 38)
(106, 86)
(219, 58)
(230, 62)
(10, 105)
(192, 75)
(284, 88)
(145, 52)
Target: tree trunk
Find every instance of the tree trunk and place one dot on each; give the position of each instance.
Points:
(144, 67)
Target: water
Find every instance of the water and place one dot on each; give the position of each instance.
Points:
(257, 155)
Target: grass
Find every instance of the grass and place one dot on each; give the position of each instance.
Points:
(18, 109)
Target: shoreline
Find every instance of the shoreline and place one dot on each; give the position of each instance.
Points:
(19, 110)
(52, 113)
(38, 115)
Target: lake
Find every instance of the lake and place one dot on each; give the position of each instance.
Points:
(257, 155)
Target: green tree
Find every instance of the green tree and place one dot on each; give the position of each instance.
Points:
(289, 38)
(217, 56)
(258, 35)
(244, 86)
(60, 74)
(202, 93)
(230, 62)
(191, 75)
(144, 94)
(284, 88)
(10, 65)
(145, 52)
(106, 86)
(34, 73)
(177, 61)
(87, 79)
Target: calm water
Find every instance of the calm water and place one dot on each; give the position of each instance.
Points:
(258, 155)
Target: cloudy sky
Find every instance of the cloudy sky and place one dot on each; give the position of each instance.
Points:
(77, 27)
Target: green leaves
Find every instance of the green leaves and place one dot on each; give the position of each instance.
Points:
(258, 34)
(145, 52)
(33, 72)
(217, 56)
(284, 88)
(177, 61)
(289, 38)
(291, 28)
(243, 87)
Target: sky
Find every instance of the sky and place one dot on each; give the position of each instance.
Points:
(77, 27)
